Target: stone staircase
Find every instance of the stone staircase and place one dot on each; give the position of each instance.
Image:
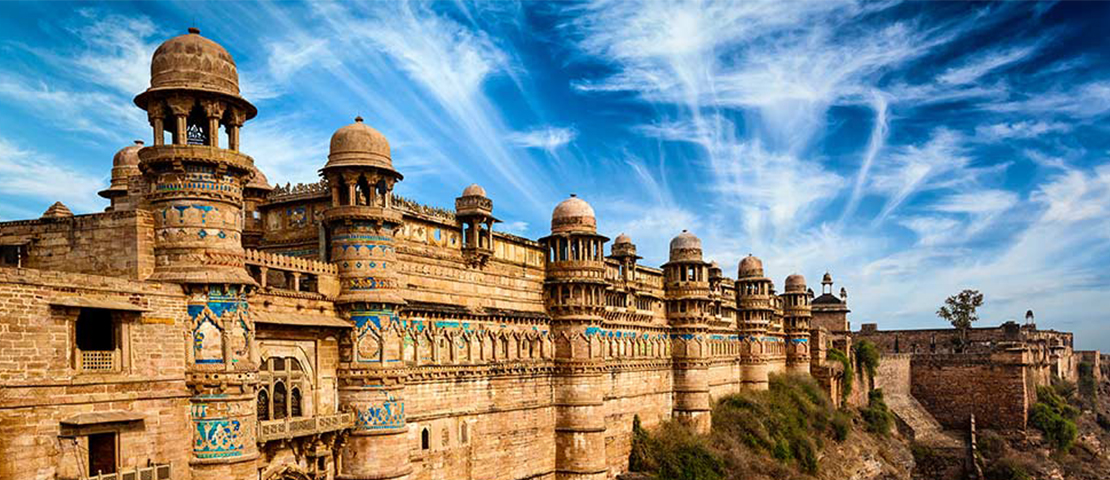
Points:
(923, 428)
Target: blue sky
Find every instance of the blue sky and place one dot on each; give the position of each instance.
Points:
(913, 150)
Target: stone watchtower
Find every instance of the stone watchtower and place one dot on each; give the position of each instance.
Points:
(474, 211)
(195, 195)
(755, 305)
(829, 311)
(574, 294)
(361, 225)
(686, 287)
(796, 316)
(624, 252)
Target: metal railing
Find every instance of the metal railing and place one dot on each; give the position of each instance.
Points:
(98, 360)
(154, 472)
(288, 428)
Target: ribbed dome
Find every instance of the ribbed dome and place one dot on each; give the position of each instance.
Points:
(573, 214)
(124, 164)
(751, 267)
(796, 283)
(359, 145)
(622, 239)
(192, 62)
(474, 190)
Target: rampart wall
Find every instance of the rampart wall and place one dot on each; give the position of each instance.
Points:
(115, 244)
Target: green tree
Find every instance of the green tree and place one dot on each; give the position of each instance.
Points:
(959, 310)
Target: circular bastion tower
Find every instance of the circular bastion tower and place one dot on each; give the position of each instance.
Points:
(755, 305)
(361, 225)
(796, 315)
(194, 191)
(574, 294)
(686, 287)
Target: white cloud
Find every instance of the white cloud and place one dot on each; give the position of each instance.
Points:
(548, 139)
(1019, 130)
(986, 63)
(29, 174)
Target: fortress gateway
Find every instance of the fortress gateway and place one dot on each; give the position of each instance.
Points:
(208, 326)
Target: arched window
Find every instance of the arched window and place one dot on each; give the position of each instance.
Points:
(280, 397)
(295, 403)
(263, 405)
(425, 439)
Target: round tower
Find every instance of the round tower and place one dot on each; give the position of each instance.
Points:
(574, 294)
(756, 307)
(194, 189)
(361, 225)
(687, 291)
(796, 316)
(474, 211)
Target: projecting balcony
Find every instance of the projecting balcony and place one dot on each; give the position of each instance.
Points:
(160, 471)
(289, 428)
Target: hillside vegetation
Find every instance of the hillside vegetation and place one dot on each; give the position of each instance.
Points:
(792, 430)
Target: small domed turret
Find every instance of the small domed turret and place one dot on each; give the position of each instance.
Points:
(750, 266)
(796, 283)
(474, 190)
(685, 247)
(125, 164)
(573, 215)
(360, 145)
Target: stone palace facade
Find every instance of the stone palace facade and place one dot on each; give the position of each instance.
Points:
(209, 326)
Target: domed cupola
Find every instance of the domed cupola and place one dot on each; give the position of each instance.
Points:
(573, 215)
(796, 284)
(750, 266)
(125, 164)
(360, 145)
(685, 247)
(192, 62)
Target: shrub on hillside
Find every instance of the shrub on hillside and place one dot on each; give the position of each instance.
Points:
(839, 356)
(878, 417)
(868, 357)
(1007, 469)
(672, 451)
(789, 421)
(1055, 417)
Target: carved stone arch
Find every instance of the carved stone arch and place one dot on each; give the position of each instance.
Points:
(563, 345)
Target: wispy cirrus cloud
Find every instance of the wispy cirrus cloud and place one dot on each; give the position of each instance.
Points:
(548, 139)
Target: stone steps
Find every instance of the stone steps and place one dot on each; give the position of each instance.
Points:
(923, 427)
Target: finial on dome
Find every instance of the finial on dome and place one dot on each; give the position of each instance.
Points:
(194, 30)
(358, 119)
(139, 142)
(573, 196)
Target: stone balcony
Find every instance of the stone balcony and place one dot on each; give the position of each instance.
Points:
(289, 428)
